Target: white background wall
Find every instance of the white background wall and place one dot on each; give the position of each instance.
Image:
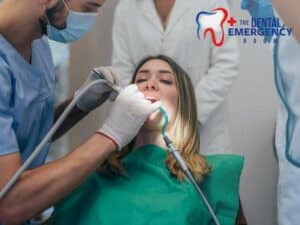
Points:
(253, 110)
(253, 106)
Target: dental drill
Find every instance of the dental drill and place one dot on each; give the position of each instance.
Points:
(183, 165)
(108, 86)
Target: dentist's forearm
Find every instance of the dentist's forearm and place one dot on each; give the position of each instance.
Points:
(289, 11)
(74, 117)
(40, 188)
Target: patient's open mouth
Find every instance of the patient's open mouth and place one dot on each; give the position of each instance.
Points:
(152, 99)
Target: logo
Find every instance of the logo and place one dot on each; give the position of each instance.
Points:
(212, 22)
(266, 27)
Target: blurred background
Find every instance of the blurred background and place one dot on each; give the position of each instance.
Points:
(253, 107)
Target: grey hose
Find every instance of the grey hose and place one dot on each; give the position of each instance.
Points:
(188, 173)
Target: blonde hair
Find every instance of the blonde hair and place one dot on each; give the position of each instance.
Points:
(184, 132)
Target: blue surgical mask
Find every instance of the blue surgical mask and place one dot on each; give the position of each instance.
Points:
(78, 24)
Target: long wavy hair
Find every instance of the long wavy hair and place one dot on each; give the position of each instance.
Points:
(184, 132)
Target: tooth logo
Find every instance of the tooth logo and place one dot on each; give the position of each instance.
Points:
(212, 22)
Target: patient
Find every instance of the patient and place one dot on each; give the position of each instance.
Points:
(143, 184)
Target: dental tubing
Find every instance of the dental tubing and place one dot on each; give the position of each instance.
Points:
(166, 120)
(183, 165)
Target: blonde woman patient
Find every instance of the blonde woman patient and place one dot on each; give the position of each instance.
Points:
(143, 184)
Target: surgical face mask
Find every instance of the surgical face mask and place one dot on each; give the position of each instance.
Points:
(77, 25)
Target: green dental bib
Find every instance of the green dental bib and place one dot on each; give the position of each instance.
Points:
(150, 195)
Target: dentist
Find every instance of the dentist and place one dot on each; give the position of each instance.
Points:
(27, 105)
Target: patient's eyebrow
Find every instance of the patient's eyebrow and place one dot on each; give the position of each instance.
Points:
(144, 71)
(165, 71)
(162, 71)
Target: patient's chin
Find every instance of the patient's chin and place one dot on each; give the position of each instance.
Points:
(154, 122)
(155, 117)
(152, 126)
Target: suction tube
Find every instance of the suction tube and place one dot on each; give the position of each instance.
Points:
(183, 165)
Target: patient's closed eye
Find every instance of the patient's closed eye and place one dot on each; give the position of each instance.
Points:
(162, 76)
(140, 80)
(165, 77)
(165, 81)
(142, 76)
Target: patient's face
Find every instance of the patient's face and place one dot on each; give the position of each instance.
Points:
(156, 80)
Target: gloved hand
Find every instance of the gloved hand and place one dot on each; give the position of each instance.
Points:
(259, 9)
(98, 93)
(128, 114)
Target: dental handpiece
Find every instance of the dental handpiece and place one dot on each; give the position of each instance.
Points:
(176, 154)
(114, 88)
(51, 132)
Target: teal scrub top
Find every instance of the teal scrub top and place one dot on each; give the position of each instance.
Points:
(26, 99)
(150, 195)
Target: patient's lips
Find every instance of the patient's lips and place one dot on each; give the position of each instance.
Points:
(155, 116)
(152, 99)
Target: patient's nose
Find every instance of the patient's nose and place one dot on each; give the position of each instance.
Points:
(152, 84)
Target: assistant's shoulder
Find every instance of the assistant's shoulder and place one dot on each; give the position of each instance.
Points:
(127, 6)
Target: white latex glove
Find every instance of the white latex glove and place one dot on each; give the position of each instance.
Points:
(128, 114)
(98, 93)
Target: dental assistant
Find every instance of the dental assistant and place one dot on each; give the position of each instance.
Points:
(287, 80)
(168, 27)
(27, 105)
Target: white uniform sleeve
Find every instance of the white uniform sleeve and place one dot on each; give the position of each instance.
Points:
(8, 140)
(215, 85)
(121, 60)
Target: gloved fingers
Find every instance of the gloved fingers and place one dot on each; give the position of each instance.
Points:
(259, 9)
(116, 75)
(140, 95)
(130, 89)
(154, 107)
(93, 97)
(107, 73)
(255, 5)
(149, 108)
(113, 95)
(142, 108)
(97, 89)
(128, 92)
(245, 4)
(130, 109)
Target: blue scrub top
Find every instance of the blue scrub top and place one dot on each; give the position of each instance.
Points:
(26, 99)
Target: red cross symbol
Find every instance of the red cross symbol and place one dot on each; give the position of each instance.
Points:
(231, 21)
